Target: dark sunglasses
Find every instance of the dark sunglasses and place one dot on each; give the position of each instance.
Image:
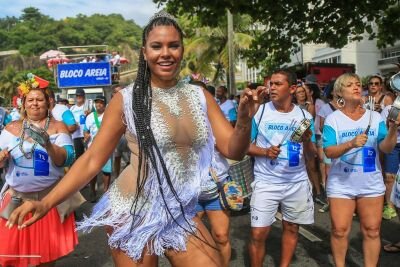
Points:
(374, 83)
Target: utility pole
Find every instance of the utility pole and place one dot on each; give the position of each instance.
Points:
(231, 56)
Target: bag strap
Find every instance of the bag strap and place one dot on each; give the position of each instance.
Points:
(332, 106)
(259, 121)
(302, 111)
(220, 187)
(96, 119)
(381, 98)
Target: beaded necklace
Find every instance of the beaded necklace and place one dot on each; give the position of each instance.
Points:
(22, 137)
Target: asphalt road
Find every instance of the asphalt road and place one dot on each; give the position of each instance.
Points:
(93, 251)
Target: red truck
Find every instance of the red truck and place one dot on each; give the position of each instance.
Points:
(324, 72)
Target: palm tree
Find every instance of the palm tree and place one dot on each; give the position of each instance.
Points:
(206, 48)
(8, 83)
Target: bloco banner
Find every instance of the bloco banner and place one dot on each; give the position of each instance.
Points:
(83, 75)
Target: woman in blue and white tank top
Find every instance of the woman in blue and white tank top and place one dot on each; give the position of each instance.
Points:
(353, 138)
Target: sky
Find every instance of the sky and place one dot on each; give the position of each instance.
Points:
(138, 10)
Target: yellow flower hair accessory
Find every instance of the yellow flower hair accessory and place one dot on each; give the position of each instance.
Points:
(32, 82)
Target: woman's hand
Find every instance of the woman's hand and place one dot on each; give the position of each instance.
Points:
(250, 101)
(359, 141)
(37, 208)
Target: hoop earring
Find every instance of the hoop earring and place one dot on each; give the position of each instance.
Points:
(340, 102)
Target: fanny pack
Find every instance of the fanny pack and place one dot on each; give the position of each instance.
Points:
(230, 193)
(12, 199)
(8, 204)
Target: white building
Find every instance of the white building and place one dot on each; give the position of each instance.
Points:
(365, 54)
(389, 56)
(245, 74)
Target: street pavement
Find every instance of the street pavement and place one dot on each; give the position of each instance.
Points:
(92, 250)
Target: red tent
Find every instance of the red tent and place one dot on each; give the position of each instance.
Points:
(54, 61)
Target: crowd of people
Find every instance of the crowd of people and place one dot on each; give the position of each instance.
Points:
(337, 147)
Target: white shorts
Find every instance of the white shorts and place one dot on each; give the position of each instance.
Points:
(295, 199)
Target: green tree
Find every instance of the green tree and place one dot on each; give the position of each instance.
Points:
(206, 48)
(31, 14)
(284, 24)
(8, 83)
(34, 33)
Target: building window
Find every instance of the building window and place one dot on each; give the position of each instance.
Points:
(335, 59)
(390, 53)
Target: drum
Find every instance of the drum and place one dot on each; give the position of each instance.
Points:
(395, 82)
(301, 129)
(243, 174)
(394, 110)
(39, 135)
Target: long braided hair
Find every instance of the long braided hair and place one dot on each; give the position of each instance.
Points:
(149, 152)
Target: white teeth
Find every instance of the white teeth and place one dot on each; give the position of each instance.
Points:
(165, 63)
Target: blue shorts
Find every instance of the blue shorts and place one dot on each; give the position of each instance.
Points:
(213, 204)
(392, 160)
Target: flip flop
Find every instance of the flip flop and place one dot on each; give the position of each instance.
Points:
(392, 248)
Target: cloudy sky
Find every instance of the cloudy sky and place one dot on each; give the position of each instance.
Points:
(138, 10)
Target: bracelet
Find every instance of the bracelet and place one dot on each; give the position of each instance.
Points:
(241, 127)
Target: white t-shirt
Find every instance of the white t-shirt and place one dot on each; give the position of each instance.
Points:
(358, 171)
(62, 113)
(116, 60)
(36, 173)
(91, 127)
(289, 166)
(80, 118)
(384, 114)
(323, 112)
(229, 110)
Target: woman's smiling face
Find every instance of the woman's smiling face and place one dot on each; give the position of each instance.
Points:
(163, 52)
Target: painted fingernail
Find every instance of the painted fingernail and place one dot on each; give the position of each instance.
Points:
(10, 226)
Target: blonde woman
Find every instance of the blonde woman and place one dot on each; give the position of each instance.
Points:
(353, 138)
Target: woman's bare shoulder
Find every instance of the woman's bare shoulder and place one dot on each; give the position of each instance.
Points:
(14, 127)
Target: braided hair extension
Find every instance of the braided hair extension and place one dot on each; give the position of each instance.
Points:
(148, 149)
